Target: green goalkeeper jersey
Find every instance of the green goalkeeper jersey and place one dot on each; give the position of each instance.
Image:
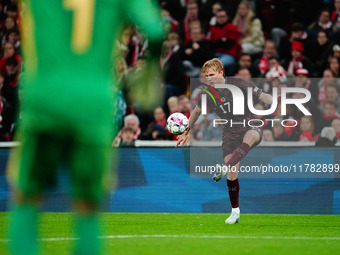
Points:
(67, 61)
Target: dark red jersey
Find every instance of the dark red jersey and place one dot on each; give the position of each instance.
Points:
(225, 110)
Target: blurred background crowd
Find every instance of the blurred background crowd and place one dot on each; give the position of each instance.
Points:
(273, 43)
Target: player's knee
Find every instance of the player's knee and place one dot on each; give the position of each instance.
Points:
(252, 137)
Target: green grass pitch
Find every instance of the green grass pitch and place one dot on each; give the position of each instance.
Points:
(194, 233)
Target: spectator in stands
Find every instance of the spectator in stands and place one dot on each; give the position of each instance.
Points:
(11, 9)
(128, 139)
(173, 105)
(329, 112)
(194, 25)
(327, 78)
(10, 87)
(276, 75)
(269, 51)
(244, 61)
(132, 121)
(333, 65)
(306, 129)
(336, 14)
(10, 23)
(327, 138)
(174, 40)
(279, 132)
(336, 51)
(298, 60)
(312, 107)
(322, 49)
(302, 81)
(192, 13)
(298, 34)
(184, 103)
(250, 28)
(224, 37)
(325, 23)
(332, 91)
(268, 135)
(170, 22)
(171, 64)
(130, 45)
(244, 73)
(159, 133)
(196, 52)
(9, 52)
(336, 127)
(217, 6)
(13, 36)
(122, 44)
(159, 120)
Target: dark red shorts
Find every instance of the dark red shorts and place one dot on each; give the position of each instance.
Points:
(232, 139)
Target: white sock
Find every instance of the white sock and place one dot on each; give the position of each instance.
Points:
(237, 210)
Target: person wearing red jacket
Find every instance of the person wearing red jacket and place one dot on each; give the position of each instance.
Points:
(224, 37)
(329, 112)
(9, 52)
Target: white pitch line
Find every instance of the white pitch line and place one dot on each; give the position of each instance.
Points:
(56, 239)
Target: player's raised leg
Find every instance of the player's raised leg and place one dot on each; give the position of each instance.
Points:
(250, 138)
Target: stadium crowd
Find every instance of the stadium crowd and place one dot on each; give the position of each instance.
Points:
(10, 67)
(273, 43)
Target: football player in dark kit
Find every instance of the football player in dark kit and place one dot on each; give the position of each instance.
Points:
(238, 138)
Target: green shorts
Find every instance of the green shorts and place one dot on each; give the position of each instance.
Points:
(85, 149)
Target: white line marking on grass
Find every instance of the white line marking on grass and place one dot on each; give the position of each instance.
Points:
(221, 237)
(56, 239)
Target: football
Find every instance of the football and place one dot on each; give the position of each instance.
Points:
(177, 123)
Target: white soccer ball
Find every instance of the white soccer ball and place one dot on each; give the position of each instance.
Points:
(177, 123)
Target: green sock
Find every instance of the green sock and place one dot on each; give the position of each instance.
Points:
(23, 230)
(88, 230)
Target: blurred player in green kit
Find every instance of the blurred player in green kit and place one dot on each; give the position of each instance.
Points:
(67, 113)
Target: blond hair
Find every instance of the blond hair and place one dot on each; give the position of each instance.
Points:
(172, 99)
(248, 19)
(214, 64)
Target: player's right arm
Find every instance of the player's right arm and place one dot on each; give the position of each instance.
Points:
(182, 139)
